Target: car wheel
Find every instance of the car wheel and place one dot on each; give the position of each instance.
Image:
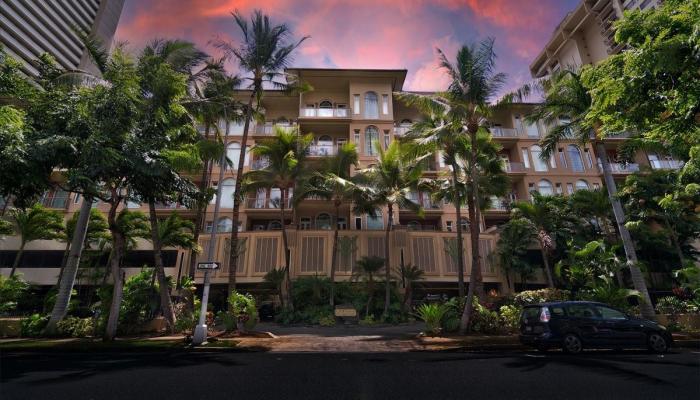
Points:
(572, 344)
(657, 343)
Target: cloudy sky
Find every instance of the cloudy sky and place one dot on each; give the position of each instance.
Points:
(365, 33)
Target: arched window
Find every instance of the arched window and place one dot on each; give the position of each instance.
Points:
(371, 137)
(545, 187)
(228, 187)
(413, 225)
(581, 185)
(536, 153)
(225, 224)
(376, 222)
(233, 153)
(575, 157)
(323, 221)
(274, 225)
(325, 145)
(406, 121)
(325, 109)
(282, 121)
(371, 106)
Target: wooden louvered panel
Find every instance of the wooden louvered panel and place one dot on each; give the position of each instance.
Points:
(424, 253)
(485, 249)
(312, 254)
(375, 246)
(265, 254)
(242, 246)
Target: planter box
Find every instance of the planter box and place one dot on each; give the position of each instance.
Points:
(691, 321)
(10, 327)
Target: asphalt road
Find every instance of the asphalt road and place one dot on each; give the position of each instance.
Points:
(412, 375)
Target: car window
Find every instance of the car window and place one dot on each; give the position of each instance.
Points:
(609, 313)
(558, 311)
(530, 313)
(580, 311)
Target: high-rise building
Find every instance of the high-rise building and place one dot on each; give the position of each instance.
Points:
(30, 28)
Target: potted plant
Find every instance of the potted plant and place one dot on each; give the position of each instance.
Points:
(244, 311)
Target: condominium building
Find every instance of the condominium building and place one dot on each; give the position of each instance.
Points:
(30, 28)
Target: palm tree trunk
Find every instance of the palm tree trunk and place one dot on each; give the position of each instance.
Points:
(334, 257)
(387, 263)
(547, 269)
(166, 304)
(473, 230)
(233, 257)
(65, 285)
(460, 238)
(63, 262)
(287, 261)
(18, 258)
(638, 281)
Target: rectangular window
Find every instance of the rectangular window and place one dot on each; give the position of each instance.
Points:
(358, 223)
(562, 158)
(596, 186)
(76, 199)
(385, 104)
(448, 226)
(387, 139)
(526, 157)
(552, 163)
(569, 188)
(357, 137)
(559, 188)
(356, 104)
(589, 159)
(531, 187)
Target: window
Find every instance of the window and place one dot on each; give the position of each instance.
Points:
(325, 109)
(609, 313)
(376, 222)
(465, 224)
(342, 223)
(76, 199)
(305, 223)
(589, 159)
(310, 110)
(581, 185)
(545, 187)
(208, 226)
(531, 187)
(324, 146)
(536, 153)
(233, 153)
(575, 157)
(580, 311)
(371, 136)
(274, 225)
(559, 188)
(228, 187)
(356, 104)
(552, 163)
(387, 138)
(596, 186)
(358, 223)
(224, 225)
(385, 104)
(531, 129)
(130, 204)
(371, 106)
(448, 226)
(357, 137)
(562, 158)
(275, 198)
(413, 226)
(323, 221)
(526, 157)
(569, 188)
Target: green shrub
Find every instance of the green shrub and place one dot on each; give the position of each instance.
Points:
(432, 314)
(673, 305)
(610, 295)
(453, 315)
(287, 316)
(367, 321)
(33, 325)
(50, 300)
(12, 289)
(509, 318)
(75, 327)
(310, 291)
(483, 320)
(540, 296)
(187, 318)
(328, 320)
(140, 302)
(243, 309)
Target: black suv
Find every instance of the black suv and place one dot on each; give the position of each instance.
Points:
(574, 325)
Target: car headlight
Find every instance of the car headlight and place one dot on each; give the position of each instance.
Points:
(661, 326)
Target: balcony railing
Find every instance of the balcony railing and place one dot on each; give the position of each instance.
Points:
(322, 150)
(514, 167)
(266, 204)
(666, 164)
(269, 128)
(621, 168)
(401, 130)
(497, 131)
(308, 112)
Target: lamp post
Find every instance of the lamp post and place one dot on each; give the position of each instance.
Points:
(200, 331)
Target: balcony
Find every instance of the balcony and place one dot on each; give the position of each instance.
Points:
(57, 202)
(269, 128)
(621, 168)
(266, 204)
(514, 167)
(401, 130)
(666, 164)
(499, 132)
(259, 164)
(321, 113)
(322, 150)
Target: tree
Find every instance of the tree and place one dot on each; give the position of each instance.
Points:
(566, 95)
(97, 230)
(35, 223)
(333, 182)
(388, 184)
(275, 278)
(366, 269)
(409, 274)
(514, 239)
(286, 154)
(176, 232)
(265, 52)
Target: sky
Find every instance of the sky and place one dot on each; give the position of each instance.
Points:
(364, 33)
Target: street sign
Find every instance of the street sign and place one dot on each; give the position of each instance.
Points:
(208, 265)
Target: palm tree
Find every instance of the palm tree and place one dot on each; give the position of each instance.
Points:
(125, 228)
(594, 207)
(334, 183)
(389, 184)
(286, 154)
(97, 230)
(275, 278)
(513, 241)
(264, 54)
(35, 223)
(542, 212)
(566, 104)
(366, 269)
(176, 232)
(409, 274)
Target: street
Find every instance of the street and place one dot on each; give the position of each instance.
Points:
(400, 375)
